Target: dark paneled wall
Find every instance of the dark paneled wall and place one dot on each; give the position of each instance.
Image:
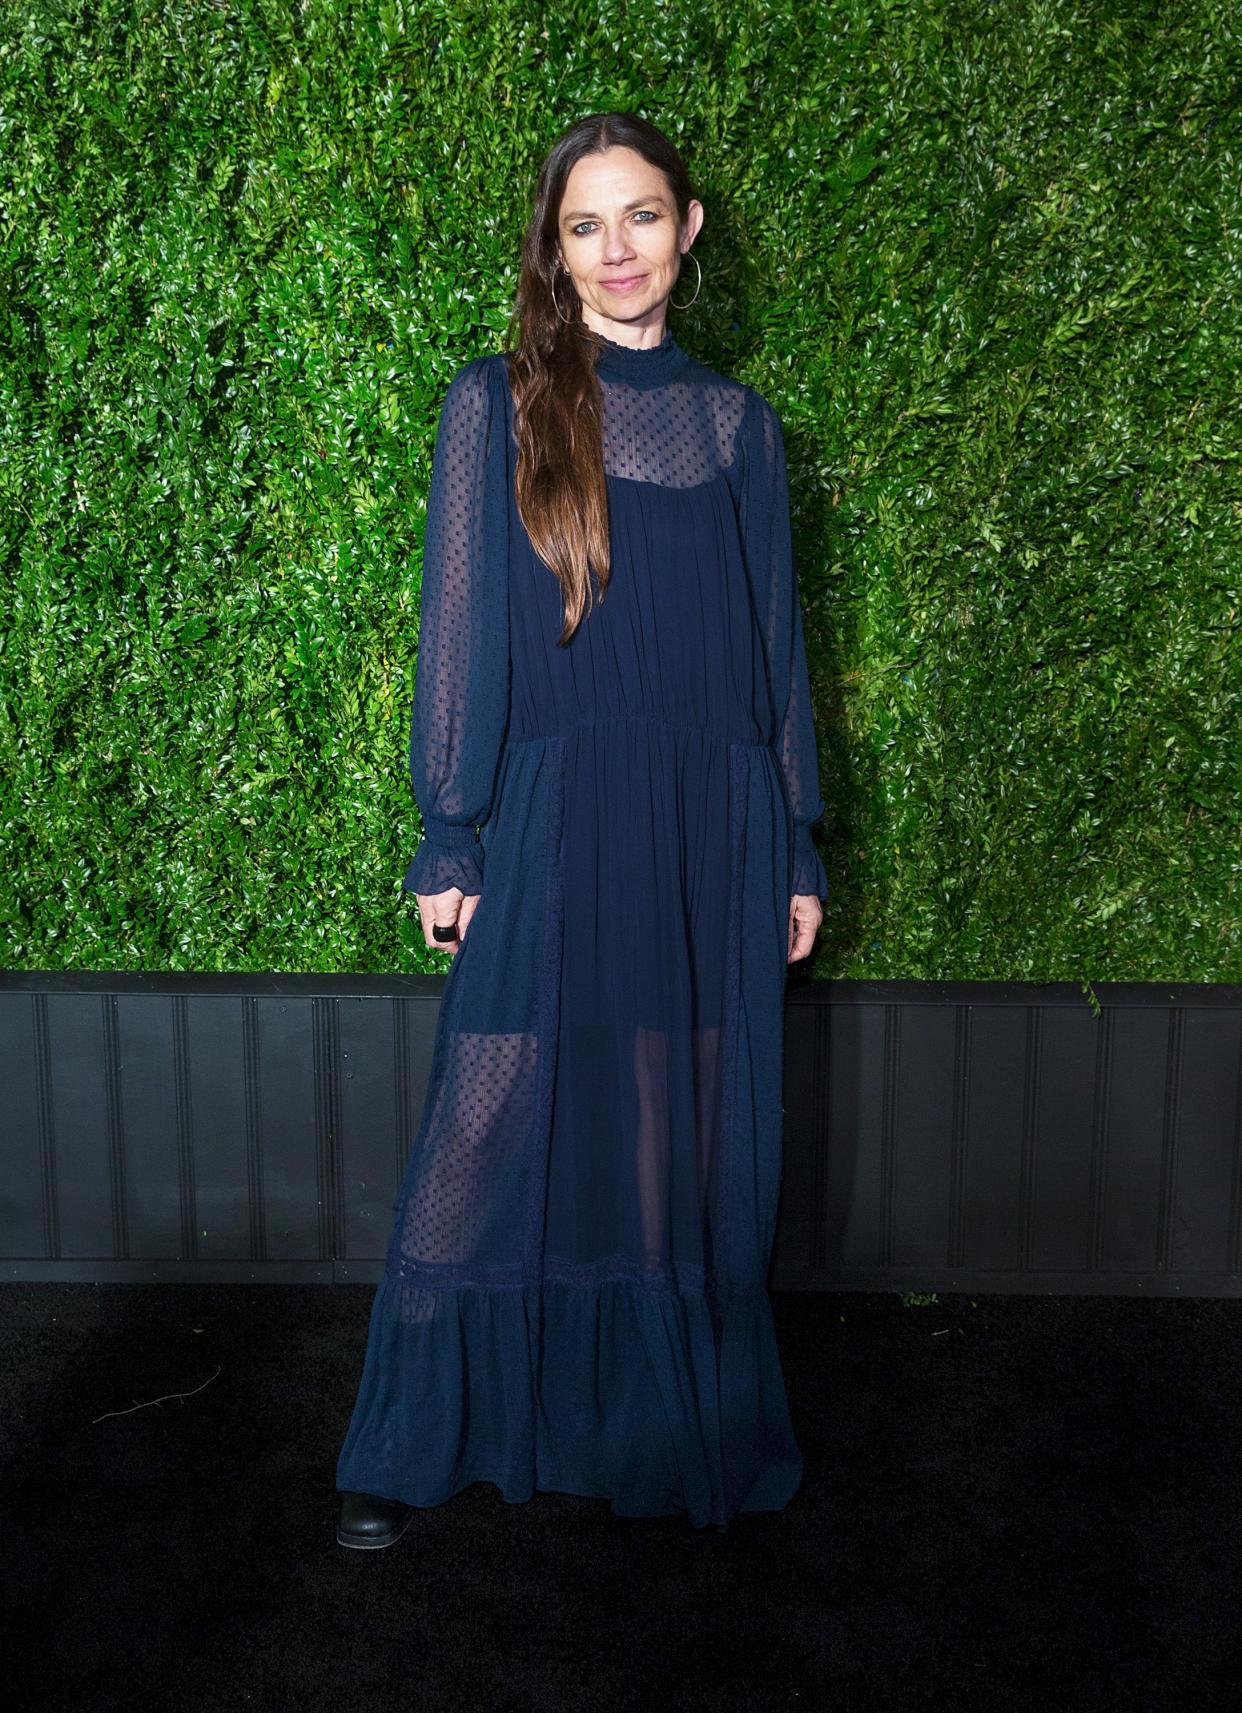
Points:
(974, 1136)
(994, 1136)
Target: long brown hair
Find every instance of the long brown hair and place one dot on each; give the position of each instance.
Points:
(559, 482)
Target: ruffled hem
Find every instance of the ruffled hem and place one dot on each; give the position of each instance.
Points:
(654, 1400)
(437, 867)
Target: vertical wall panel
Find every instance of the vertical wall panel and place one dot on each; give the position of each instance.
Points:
(286, 1136)
(326, 1046)
(369, 1085)
(218, 1067)
(1204, 1190)
(928, 1098)
(1060, 1224)
(995, 1127)
(86, 1175)
(27, 1222)
(46, 1121)
(860, 1140)
(183, 1096)
(1132, 1139)
(147, 1092)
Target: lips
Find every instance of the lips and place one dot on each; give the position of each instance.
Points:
(624, 284)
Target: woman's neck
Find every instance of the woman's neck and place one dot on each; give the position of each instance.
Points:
(637, 336)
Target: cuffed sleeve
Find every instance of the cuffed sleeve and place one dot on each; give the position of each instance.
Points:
(770, 562)
(461, 690)
(451, 856)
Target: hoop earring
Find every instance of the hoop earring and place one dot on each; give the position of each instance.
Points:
(555, 300)
(698, 288)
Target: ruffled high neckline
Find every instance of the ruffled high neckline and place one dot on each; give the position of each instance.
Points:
(639, 366)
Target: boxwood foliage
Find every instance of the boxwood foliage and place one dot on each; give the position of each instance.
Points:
(984, 260)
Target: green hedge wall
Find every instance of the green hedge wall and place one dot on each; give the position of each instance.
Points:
(984, 260)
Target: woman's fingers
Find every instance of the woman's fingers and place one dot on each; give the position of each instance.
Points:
(445, 910)
(467, 911)
(805, 915)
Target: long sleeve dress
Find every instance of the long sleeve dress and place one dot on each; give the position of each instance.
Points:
(575, 1291)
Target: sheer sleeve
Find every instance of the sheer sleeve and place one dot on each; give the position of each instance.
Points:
(770, 561)
(461, 689)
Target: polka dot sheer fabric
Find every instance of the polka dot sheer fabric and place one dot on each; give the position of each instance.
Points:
(574, 1296)
(676, 436)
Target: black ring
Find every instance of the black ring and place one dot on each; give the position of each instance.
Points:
(439, 933)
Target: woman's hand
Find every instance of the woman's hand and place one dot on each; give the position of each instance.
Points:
(805, 915)
(443, 908)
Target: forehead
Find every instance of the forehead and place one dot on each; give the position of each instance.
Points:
(618, 175)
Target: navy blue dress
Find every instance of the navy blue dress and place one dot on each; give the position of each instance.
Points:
(574, 1296)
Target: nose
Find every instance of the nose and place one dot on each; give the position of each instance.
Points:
(617, 246)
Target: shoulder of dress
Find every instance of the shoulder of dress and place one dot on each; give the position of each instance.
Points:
(763, 410)
(478, 388)
(479, 371)
(747, 400)
(762, 427)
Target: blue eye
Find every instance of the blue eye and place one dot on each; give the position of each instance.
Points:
(584, 226)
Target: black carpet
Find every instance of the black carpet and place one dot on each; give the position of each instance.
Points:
(1009, 1503)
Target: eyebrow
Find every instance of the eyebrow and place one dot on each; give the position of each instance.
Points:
(642, 202)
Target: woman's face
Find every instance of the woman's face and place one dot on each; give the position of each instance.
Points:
(618, 237)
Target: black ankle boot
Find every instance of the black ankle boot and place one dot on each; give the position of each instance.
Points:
(368, 1521)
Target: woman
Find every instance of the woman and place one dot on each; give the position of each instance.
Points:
(614, 759)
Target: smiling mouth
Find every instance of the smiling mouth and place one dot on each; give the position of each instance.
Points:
(624, 284)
